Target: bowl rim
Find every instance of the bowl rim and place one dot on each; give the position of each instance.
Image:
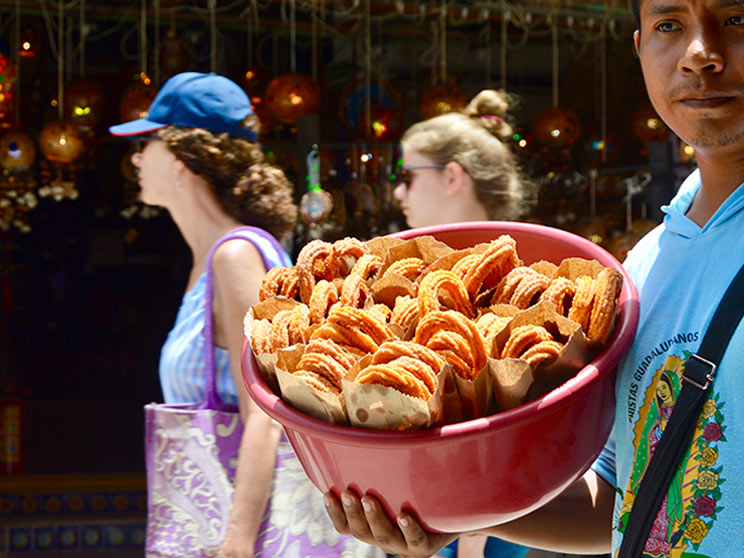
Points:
(564, 394)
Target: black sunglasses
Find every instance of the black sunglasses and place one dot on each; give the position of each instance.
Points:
(141, 142)
(404, 173)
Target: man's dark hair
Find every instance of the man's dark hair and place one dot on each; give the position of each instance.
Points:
(635, 6)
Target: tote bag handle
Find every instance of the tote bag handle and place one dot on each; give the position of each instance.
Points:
(273, 255)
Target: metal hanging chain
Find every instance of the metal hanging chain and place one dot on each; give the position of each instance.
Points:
(143, 37)
(505, 18)
(443, 42)
(212, 6)
(156, 43)
(314, 43)
(603, 91)
(83, 33)
(555, 52)
(292, 37)
(60, 60)
(367, 66)
(17, 62)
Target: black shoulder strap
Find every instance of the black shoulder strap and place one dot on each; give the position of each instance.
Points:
(698, 373)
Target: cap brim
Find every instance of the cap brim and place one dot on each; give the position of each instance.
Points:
(136, 128)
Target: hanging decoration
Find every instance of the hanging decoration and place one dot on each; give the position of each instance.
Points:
(174, 57)
(686, 153)
(83, 104)
(385, 110)
(8, 73)
(557, 127)
(136, 99)
(445, 96)
(442, 98)
(624, 242)
(316, 204)
(292, 95)
(17, 181)
(255, 79)
(60, 142)
(28, 47)
(138, 95)
(647, 126)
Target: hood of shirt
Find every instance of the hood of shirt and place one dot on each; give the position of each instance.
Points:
(675, 220)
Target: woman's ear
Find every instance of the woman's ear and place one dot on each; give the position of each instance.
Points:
(177, 169)
(455, 176)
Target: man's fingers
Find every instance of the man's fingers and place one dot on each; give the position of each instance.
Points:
(336, 513)
(386, 534)
(418, 541)
(355, 517)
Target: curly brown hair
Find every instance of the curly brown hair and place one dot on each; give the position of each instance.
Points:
(247, 187)
(475, 137)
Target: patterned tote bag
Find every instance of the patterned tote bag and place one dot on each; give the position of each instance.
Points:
(191, 450)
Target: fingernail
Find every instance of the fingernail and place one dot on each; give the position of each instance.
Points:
(327, 501)
(346, 500)
(367, 505)
(403, 521)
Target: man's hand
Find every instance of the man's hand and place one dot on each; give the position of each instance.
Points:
(366, 520)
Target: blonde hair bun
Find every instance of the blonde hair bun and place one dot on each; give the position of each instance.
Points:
(489, 107)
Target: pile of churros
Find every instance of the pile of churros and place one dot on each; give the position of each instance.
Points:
(407, 334)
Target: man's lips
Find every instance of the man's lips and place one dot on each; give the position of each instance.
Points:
(706, 102)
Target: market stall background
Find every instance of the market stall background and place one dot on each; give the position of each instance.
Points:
(90, 278)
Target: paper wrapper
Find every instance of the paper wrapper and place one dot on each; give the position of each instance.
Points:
(475, 395)
(266, 311)
(573, 268)
(515, 381)
(303, 397)
(385, 408)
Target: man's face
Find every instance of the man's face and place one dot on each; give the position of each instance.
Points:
(692, 57)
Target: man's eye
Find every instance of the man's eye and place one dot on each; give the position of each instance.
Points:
(667, 26)
(735, 20)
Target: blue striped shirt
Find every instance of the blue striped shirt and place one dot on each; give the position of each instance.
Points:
(182, 355)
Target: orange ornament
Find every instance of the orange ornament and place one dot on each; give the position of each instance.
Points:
(557, 127)
(440, 99)
(292, 95)
(647, 125)
(17, 151)
(83, 103)
(135, 101)
(60, 143)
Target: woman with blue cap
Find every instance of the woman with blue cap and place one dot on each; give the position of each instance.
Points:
(197, 156)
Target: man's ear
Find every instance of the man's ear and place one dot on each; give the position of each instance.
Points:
(455, 175)
(637, 41)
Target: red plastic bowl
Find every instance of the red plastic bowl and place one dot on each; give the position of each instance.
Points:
(484, 471)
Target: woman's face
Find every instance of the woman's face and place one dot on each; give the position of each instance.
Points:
(423, 195)
(153, 171)
(664, 393)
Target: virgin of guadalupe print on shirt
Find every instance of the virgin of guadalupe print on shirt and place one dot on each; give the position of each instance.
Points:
(690, 507)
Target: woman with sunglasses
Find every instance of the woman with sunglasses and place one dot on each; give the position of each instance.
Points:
(198, 157)
(457, 167)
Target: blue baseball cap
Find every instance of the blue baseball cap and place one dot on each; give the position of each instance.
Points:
(195, 100)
